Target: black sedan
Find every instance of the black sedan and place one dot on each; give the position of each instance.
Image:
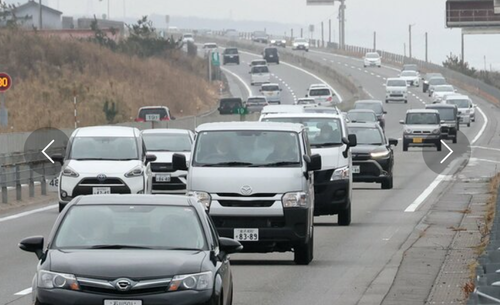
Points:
(372, 158)
(132, 250)
(376, 106)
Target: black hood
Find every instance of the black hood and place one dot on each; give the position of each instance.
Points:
(366, 149)
(133, 264)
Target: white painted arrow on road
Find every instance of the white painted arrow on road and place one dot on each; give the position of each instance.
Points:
(449, 154)
(45, 154)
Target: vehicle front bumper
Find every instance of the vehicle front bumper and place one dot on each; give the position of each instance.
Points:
(449, 131)
(68, 297)
(396, 96)
(177, 184)
(330, 197)
(276, 233)
(427, 139)
(372, 63)
(371, 170)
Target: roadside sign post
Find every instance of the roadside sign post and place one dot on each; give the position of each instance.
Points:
(5, 84)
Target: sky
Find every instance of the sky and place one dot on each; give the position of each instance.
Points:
(389, 18)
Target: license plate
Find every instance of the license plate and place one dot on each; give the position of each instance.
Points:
(152, 117)
(101, 190)
(163, 178)
(122, 302)
(356, 169)
(246, 234)
(417, 140)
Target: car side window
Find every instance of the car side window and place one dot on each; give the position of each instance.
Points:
(214, 234)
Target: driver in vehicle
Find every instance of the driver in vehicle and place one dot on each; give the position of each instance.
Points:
(328, 135)
(284, 151)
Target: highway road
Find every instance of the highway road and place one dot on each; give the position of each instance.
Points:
(347, 260)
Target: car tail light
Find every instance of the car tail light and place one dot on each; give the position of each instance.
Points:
(140, 120)
(329, 99)
(165, 119)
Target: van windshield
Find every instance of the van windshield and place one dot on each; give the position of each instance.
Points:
(459, 103)
(180, 142)
(247, 148)
(422, 118)
(319, 92)
(104, 148)
(322, 132)
(446, 114)
(260, 69)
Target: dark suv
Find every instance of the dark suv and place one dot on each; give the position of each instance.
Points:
(450, 124)
(230, 105)
(271, 55)
(372, 158)
(231, 55)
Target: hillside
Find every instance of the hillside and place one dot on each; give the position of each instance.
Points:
(47, 71)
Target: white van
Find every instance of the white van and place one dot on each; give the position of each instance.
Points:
(230, 171)
(103, 160)
(328, 137)
(260, 75)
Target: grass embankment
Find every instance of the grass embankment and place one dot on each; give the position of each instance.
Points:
(47, 71)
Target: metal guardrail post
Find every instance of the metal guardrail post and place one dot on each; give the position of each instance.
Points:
(18, 184)
(31, 184)
(3, 183)
(43, 181)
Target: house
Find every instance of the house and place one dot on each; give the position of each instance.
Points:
(28, 15)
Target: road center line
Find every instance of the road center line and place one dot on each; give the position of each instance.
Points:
(480, 133)
(420, 199)
(24, 292)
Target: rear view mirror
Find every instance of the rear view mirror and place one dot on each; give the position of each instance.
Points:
(442, 122)
(33, 244)
(229, 245)
(179, 162)
(57, 158)
(313, 163)
(402, 122)
(150, 158)
(393, 142)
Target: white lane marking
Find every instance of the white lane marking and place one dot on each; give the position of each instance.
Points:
(486, 148)
(24, 292)
(369, 94)
(360, 69)
(366, 71)
(240, 79)
(414, 206)
(449, 154)
(480, 133)
(27, 213)
(324, 59)
(339, 62)
(346, 65)
(384, 78)
(484, 160)
(353, 67)
(378, 76)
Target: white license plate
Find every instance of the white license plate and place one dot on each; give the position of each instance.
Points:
(246, 234)
(54, 185)
(152, 117)
(122, 302)
(101, 190)
(163, 178)
(356, 169)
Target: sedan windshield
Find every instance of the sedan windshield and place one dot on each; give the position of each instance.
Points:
(270, 88)
(372, 106)
(437, 81)
(130, 226)
(231, 51)
(104, 148)
(444, 89)
(396, 83)
(409, 73)
(259, 63)
(247, 148)
(362, 116)
(319, 92)
(372, 55)
(367, 136)
(422, 119)
(320, 131)
(459, 103)
(167, 142)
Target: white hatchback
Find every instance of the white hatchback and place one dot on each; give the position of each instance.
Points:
(259, 75)
(272, 92)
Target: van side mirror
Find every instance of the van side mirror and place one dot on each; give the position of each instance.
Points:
(442, 122)
(402, 122)
(353, 140)
(179, 162)
(57, 158)
(393, 142)
(313, 163)
(150, 158)
(33, 244)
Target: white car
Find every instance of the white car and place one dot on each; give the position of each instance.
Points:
(164, 143)
(466, 108)
(258, 62)
(322, 95)
(300, 44)
(440, 91)
(103, 160)
(210, 47)
(260, 75)
(187, 37)
(306, 101)
(272, 92)
(412, 78)
(396, 89)
(372, 59)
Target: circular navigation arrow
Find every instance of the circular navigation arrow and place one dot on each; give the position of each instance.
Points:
(438, 161)
(39, 148)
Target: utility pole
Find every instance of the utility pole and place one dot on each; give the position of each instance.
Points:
(404, 45)
(426, 48)
(463, 48)
(409, 45)
(342, 24)
(291, 34)
(40, 23)
(322, 36)
(374, 41)
(301, 33)
(109, 17)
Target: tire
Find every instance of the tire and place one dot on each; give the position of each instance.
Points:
(61, 207)
(405, 146)
(307, 50)
(251, 84)
(344, 217)
(387, 184)
(304, 254)
(438, 146)
(386, 101)
(406, 101)
(455, 140)
(458, 127)
(468, 124)
(278, 62)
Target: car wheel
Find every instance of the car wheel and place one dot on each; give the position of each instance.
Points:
(303, 254)
(458, 127)
(387, 184)
(230, 301)
(406, 101)
(61, 207)
(438, 146)
(386, 101)
(380, 66)
(251, 84)
(405, 146)
(455, 139)
(468, 124)
(364, 66)
(238, 62)
(344, 217)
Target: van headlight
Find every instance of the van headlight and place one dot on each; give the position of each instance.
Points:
(135, 172)
(294, 200)
(341, 173)
(203, 197)
(51, 280)
(380, 154)
(198, 281)
(69, 172)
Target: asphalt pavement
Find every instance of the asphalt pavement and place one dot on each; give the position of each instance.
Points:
(347, 260)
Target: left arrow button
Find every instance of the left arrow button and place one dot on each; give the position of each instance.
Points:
(45, 154)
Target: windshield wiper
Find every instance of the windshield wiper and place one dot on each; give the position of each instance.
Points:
(118, 247)
(184, 249)
(282, 163)
(326, 144)
(232, 163)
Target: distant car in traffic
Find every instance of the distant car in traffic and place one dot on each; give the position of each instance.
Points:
(103, 160)
(372, 59)
(373, 157)
(435, 81)
(376, 106)
(412, 78)
(305, 101)
(256, 103)
(272, 92)
(230, 55)
(209, 47)
(466, 108)
(230, 105)
(260, 36)
(154, 114)
(300, 44)
(426, 78)
(422, 127)
(396, 89)
(271, 55)
(362, 116)
(278, 43)
(440, 91)
(323, 95)
(91, 256)
(410, 67)
(187, 37)
(450, 123)
(163, 143)
(260, 75)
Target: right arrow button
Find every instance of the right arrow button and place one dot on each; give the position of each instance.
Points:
(449, 154)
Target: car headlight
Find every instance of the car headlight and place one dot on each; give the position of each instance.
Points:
(408, 131)
(135, 172)
(294, 200)
(341, 173)
(380, 154)
(51, 280)
(436, 131)
(69, 172)
(198, 281)
(203, 197)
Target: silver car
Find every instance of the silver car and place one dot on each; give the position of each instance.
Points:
(422, 127)
(272, 92)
